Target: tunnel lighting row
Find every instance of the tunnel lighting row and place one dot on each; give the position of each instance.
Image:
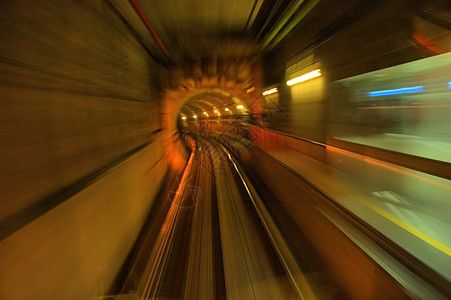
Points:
(240, 106)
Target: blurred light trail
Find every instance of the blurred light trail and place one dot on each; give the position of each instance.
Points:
(305, 77)
(269, 92)
(240, 106)
(400, 91)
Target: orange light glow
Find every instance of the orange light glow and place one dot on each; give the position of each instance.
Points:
(226, 109)
(251, 89)
(183, 118)
(240, 106)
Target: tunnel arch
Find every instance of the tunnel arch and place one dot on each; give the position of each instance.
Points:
(207, 93)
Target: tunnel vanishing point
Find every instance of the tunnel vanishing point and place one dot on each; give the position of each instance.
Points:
(225, 149)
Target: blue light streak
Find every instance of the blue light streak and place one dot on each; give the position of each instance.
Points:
(449, 85)
(406, 90)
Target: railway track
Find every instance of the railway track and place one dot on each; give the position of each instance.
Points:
(217, 241)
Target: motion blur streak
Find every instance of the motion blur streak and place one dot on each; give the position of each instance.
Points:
(392, 167)
(400, 91)
(269, 92)
(165, 237)
(225, 149)
(305, 77)
(442, 247)
(433, 242)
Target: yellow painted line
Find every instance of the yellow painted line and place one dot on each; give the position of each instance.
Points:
(430, 240)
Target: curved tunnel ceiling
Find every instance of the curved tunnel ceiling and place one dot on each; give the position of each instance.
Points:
(213, 103)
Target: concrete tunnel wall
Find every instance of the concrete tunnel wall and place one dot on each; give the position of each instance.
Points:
(81, 155)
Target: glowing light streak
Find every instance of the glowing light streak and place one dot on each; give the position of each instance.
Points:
(240, 106)
(400, 91)
(305, 77)
(226, 109)
(269, 92)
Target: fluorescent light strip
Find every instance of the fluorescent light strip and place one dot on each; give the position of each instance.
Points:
(305, 77)
(400, 91)
(269, 92)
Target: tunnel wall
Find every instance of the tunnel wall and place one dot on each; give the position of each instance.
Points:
(76, 250)
(364, 36)
(79, 133)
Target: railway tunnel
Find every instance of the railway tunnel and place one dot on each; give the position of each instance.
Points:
(235, 149)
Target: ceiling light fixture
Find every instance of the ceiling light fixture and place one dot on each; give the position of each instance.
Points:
(305, 77)
(269, 92)
(251, 89)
